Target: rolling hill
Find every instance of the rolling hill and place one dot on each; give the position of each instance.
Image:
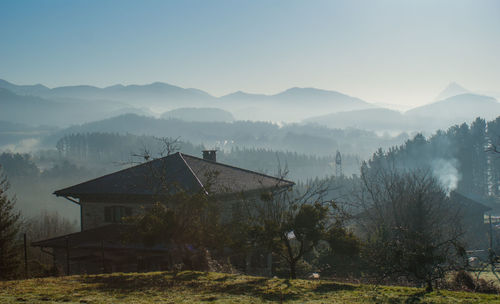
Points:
(291, 105)
(199, 114)
(211, 287)
(34, 110)
(436, 115)
(368, 119)
(456, 109)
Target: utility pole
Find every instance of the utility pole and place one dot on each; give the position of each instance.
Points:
(338, 164)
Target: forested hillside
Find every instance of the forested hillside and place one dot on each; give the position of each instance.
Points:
(457, 156)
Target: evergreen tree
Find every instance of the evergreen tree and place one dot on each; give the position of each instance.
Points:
(493, 133)
(9, 227)
(479, 157)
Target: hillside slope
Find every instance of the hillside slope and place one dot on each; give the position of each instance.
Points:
(202, 287)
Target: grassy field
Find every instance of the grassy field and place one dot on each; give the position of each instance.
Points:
(200, 287)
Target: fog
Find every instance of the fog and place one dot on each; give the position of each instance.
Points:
(54, 138)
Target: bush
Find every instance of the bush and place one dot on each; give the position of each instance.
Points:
(463, 280)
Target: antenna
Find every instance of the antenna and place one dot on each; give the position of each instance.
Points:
(338, 164)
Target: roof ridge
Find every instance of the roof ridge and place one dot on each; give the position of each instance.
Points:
(192, 172)
(238, 168)
(188, 173)
(116, 172)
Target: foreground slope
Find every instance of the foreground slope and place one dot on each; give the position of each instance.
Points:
(200, 287)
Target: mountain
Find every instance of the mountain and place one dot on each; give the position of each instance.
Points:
(12, 133)
(34, 110)
(156, 94)
(35, 90)
(428, 118)
(26, 109)
(241, 96)
(451, 90)
(290, 105)
(199, 114)
(61, 106)
(377, 119)
(455, 110)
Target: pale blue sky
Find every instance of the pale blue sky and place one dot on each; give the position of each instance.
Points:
(386, 51)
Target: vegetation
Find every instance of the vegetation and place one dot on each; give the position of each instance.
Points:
(411, 229)
(202, 287)
(188, 224)
(291, 224)
(9, 227)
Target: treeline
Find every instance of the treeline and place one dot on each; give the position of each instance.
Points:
(300, 138)
(458, 157)
(80, 157)
(103, 149)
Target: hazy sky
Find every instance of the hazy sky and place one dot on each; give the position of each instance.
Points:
(397, 51)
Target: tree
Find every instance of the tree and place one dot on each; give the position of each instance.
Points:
(341, 256)
(41, 227)
(188, 223)
(290, 223)
(9, 227)
(411, 228)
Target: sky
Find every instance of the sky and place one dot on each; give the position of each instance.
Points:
(395, 52)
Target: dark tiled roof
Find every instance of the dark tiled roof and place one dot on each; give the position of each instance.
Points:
(113, 236)
(178, 170)
(468, 203)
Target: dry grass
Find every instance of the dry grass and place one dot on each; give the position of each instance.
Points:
(200, 287)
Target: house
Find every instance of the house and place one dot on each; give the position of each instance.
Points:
(472, 212)
(470, 216)
(104, 201)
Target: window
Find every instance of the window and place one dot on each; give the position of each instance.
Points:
(115, 214)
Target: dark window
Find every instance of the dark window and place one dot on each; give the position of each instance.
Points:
(115, 214)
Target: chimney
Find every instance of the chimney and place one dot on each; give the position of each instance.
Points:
(210, 155)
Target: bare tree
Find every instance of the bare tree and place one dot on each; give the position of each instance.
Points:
(410, 226)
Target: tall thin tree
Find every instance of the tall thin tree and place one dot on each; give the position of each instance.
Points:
(9, 227)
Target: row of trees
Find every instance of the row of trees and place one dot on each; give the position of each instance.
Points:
(302, 138)
(457, 157)
(106, 148)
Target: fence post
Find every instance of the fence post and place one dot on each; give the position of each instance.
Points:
(67, 256)
(26, 270)
(102, 257)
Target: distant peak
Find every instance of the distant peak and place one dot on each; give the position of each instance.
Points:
(455, 86)
(452, 89)
(160, 84)
(116, 86)
(239, 93)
